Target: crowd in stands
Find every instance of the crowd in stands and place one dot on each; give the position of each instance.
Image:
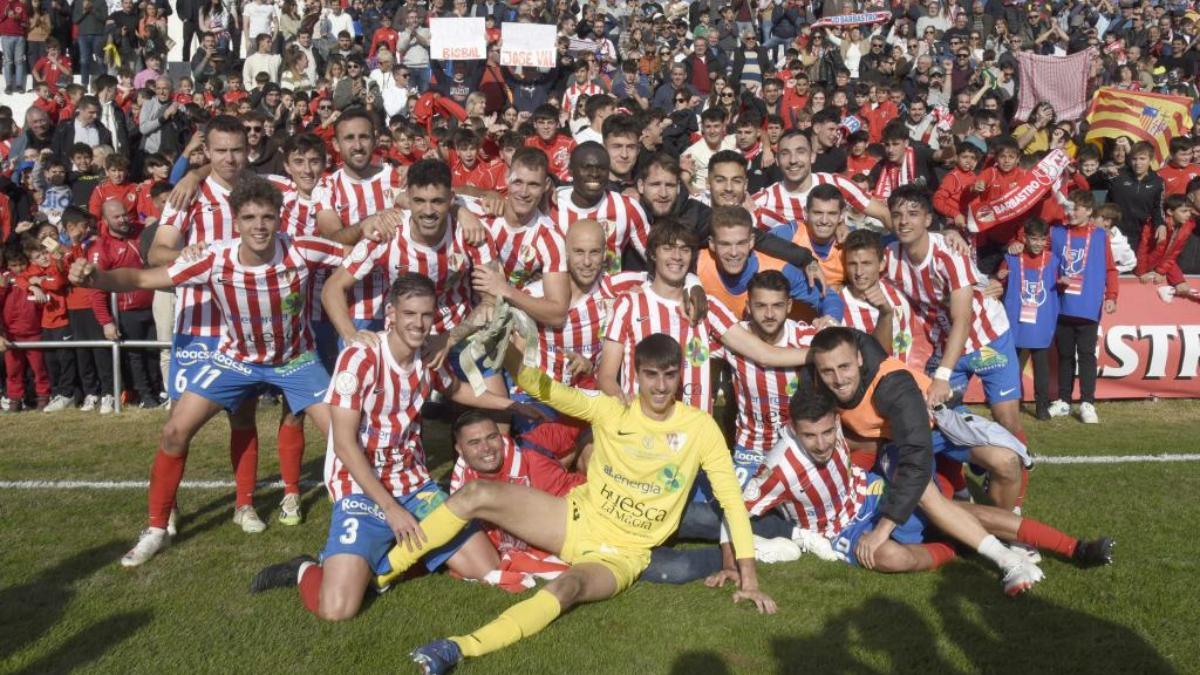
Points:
(927, 96)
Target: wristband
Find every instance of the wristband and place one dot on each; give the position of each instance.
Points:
(942, 373)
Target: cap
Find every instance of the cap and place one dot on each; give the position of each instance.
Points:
(936, 71)
(977, 143)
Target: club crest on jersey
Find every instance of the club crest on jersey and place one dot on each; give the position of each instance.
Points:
(346, 383)
(1033, 292)
(697, 351)
(676, 440)
(612, 262)
(293, 303)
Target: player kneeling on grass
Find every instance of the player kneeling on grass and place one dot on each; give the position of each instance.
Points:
(375, 466)
(646, 457)
(260, 282)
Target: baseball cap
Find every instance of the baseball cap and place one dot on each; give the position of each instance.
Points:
(977, 143)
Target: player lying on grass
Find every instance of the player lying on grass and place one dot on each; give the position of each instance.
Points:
(883, 406)
(809, 480)
(646, 457)
(260, 281)
(375, 466)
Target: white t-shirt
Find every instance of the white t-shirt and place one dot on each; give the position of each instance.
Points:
(258, 17)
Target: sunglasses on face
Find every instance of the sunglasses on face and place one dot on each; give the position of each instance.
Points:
(727, 94)
(253, 130)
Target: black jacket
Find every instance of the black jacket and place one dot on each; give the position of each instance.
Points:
(901, 402)
(1140, 201)
(64, 138)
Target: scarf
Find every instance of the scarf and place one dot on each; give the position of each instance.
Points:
(892, 176)
(1041, 181)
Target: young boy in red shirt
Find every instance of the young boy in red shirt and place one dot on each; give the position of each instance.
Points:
(385, 36)
(157, 170)
(234, 93)
(547, 138)
(115, 186)
(60, 363)
(957, 190)
(54, 68)
(22, 321)
(1159, 250)
(466, 166)
(1179, 169)
(46, 100)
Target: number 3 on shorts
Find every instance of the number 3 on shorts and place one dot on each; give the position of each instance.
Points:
(351, 534)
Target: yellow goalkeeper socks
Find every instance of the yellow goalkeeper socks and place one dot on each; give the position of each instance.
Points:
(440, 526)
(519, 621)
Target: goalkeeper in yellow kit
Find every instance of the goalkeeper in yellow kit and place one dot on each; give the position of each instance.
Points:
(646, 456)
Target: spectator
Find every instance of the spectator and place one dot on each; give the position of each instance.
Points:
(26, 265)
(14, 24)
(262, 60)
(155, 123)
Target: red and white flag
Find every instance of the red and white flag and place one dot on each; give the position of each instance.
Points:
(1060, 80)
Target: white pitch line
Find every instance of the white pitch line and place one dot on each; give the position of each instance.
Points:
(225, 484)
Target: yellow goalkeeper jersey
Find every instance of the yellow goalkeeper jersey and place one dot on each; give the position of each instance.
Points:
(642, 470)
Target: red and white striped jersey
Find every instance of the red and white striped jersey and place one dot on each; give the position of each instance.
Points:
(353, 200)
(928, 285)
(621, 216)
(266, 320)
(573, 92)
(526, 253)
(639, 313)
(583, 331)
(208, 219)
(864, 316)
(298, 218)
(448, 264)
(762, 393)
(790, 205)
(819, 498)
(518, 467)
(389, 396)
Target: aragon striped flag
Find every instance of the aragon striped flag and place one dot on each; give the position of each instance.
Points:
(1154, 118)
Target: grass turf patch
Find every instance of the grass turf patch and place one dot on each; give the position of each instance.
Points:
(65, 603)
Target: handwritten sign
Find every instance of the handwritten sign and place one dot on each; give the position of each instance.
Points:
(457, 39)
(533, 45)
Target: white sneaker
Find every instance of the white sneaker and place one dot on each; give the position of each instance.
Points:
(289, 510)
(107, 404)
(247, 518)
(58, 403)
(150, 542)
(5, 403)
(1060, 408)
(173, 521)
(89, 403)
(1166, 293)
(1087, 413)
(777, 550)
(1021, 577)
(811, 542)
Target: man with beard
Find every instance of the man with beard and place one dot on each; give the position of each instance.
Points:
(621, 216)
(345, 201)
(788, 197)
(262, 154)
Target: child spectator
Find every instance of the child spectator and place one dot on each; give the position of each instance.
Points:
(957, 189)
(22, 317)
(53, 69)
(60, 363)
(1088, 160)
(1031, 300)
(1179, 170)
(1158, 252)
(93, 365)
(82, 177)
(996, 180)
(1139, 192)
(1107, 217)
(46, 100)
(158, 168)
(1087, 283)
(858, 160)
(115, 186)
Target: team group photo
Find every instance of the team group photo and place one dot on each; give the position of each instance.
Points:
(557, 336)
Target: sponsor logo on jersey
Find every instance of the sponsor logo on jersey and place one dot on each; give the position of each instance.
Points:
(293, 303)
(640, 486)
(630, 511)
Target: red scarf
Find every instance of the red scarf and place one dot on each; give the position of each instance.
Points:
(892, 176)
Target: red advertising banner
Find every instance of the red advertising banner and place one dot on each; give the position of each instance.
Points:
(1147, 348)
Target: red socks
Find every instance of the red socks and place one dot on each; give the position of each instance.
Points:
(952, 471)
(941, 554)
(243, 455)
(310, 587)
(165, 476)
(1043, 537)
(291, 453)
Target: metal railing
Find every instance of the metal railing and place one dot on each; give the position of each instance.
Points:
(115, 345)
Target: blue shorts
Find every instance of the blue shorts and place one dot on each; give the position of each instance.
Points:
(746, 463)
(328, 344)
(997, 367)
(911, 531)
(452, 357)
(228, 382)
(358, 527)
(944, 448)
(188, 354)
